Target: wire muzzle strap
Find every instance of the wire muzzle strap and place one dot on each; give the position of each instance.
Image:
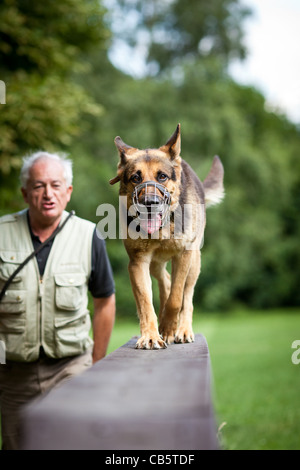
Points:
(156, 200)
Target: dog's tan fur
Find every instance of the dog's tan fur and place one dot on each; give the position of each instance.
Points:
(149, 256)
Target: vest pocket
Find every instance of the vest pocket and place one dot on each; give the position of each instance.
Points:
(9, 262)
(11, 308)
(72, 321)
(69, 290)
(12, 305)
(72, 335)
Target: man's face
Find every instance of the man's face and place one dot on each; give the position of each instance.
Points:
(46, 193)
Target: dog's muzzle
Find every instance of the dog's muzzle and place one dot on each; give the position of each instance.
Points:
(151, 202)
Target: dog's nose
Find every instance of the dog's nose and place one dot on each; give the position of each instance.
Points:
(149, 199)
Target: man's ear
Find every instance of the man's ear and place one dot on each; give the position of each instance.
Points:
(69, 192)
(24, 194)
(173, 146)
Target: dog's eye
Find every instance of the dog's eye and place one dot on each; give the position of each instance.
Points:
(136, 178)
(162, 177)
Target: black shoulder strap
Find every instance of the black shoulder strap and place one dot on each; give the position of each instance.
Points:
(34, 253)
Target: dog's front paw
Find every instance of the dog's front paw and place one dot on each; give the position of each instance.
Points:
(150, 342)
(184, 335)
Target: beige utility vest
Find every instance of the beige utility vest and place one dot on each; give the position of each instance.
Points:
(50, 311)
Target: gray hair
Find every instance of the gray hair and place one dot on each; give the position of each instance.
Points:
(30, 160)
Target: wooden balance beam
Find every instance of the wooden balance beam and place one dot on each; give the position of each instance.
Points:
(131, 400)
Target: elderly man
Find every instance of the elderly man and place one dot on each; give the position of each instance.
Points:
(44, 321)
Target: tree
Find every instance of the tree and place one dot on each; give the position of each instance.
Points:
(172, 32)
(42, 45)
(251, 249)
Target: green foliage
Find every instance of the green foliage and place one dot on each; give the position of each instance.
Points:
(41, 45)
(47, 36)
(174, 31)
(251, 251)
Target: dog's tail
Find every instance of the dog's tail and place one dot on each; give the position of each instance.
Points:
(213, 183)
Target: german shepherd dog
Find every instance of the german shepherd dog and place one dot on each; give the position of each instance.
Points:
(165, 219)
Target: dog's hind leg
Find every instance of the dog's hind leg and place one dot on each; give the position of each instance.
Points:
(158, 270)
(184, 333)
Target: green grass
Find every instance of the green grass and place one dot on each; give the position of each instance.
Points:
(255, 384)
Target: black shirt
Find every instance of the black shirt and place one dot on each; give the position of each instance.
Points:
(101, 283)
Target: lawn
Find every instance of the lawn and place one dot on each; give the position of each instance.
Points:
(256, 385)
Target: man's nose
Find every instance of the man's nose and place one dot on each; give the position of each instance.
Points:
(48, 192)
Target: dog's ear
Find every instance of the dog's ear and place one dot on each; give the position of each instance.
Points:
(125, 152)
(173, 146)
(115, 180)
